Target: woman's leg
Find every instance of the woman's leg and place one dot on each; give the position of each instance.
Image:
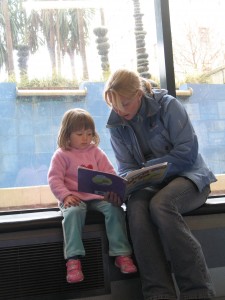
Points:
(187, 259)
(73, 223)
(157, 282)
(115, 227)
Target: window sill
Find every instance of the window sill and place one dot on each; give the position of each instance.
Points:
(50, 92)
(21, 198)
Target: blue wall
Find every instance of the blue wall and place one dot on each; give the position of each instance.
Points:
(29, 126)
(206, 108)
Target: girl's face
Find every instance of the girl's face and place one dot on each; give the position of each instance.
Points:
(130, 106)
(81, 139)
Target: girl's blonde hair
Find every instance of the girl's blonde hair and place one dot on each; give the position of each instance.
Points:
(74, 120)
(124, 83)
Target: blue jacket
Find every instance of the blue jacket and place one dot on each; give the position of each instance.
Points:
(169, 135)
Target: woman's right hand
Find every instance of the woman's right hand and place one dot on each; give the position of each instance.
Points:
(113, 198)
(71, 200)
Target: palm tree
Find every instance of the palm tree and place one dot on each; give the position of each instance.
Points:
(74, 34)
(71, 29)
(18, 33)
(62, 32)
(66, 31)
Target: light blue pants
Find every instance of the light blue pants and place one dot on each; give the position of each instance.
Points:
(74, 221)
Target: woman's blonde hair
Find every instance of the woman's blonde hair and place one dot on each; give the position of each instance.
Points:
(74, 120)
(124, 83)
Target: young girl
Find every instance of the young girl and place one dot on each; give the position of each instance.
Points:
(78, 146)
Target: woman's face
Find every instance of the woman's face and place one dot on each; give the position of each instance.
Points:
(130, 107)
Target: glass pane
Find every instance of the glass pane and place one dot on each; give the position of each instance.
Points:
(72, 48)
(199, 45)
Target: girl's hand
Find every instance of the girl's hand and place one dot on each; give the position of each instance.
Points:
(71, 200)
(113, 198)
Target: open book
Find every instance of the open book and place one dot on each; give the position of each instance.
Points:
(97, 182)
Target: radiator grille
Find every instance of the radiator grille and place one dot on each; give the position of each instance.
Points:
(38, 272)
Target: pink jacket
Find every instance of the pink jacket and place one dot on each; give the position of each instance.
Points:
(62, 174)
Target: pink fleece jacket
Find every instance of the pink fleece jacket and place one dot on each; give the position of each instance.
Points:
(62, 174)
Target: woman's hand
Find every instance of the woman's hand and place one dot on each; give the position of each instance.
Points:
(71, 200)
(113, 198)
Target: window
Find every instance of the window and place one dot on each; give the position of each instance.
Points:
(198, 47)
(76, 49)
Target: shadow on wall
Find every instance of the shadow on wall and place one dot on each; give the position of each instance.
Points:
(32, 176)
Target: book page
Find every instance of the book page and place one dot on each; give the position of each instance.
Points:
(147, 176)
(151, 169)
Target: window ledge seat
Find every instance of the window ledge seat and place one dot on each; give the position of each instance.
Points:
(41, 218)
(51, 218)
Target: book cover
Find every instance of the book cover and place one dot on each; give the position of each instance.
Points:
(98, 182)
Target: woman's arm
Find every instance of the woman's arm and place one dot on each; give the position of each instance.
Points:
(182, 137)
(123, 153)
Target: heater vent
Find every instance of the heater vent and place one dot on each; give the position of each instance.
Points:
(38, 272)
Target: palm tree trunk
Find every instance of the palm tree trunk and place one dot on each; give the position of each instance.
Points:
(82, 43)
(58, 45)
(8, 37)
(72, 61)
(51, 46)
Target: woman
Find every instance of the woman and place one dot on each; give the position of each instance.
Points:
(148, 126)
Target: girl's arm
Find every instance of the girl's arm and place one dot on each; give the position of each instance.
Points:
(103, 162)
(56, 176)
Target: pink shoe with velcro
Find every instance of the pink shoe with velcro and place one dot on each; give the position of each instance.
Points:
(74, 271)
(126, 265)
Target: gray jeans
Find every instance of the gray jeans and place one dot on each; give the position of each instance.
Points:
(159, 233)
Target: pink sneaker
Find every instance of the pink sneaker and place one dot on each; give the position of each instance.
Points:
(126, 265)
(74, 271)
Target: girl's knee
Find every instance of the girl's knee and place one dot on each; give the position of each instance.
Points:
(73, 210)
(116, 211)
(115, 214)
(108, 208)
